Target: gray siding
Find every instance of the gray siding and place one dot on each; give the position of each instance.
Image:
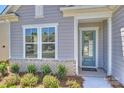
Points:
(52, 14)
(117, 57)
(105, 45)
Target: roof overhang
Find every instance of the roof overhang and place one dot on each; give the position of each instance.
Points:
(80, 10)
(9, 17)
(11, 9)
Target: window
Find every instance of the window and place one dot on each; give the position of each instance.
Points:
(122, 39)
(31, 43)
(40, 42)
(48, 42)
(38, 11)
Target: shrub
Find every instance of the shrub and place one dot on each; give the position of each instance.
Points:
(15, 68)
(45, 69)
(50, 82)
(29, 80)
(3, 68)
(13, 86)
(0, 76)
(32, 68)
(11, 80)
(2, 85)
(61, 72)
(73, 84)
(5, 61)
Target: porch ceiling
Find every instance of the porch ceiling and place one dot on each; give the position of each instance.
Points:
(9, 17)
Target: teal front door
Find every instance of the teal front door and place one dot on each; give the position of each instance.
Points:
(88, 51)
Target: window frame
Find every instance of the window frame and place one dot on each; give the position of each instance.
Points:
(39, 42)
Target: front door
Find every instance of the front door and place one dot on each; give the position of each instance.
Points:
(88, 49)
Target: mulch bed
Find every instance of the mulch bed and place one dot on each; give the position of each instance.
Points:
(114, 82)
(77, 78)
(62, 82)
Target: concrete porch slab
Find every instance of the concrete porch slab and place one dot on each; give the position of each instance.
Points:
(98, 73)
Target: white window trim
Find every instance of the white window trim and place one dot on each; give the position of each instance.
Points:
(122, 36)
(36, 12)
(39, 51)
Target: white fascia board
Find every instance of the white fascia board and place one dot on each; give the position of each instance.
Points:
(83, 7)
(94, 15)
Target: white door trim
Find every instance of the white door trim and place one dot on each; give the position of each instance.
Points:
(89, 29)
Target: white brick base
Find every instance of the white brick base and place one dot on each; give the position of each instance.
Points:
(70, 64)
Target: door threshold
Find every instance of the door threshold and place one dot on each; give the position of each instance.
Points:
(89, 69)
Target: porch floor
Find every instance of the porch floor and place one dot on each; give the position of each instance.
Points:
(94, 79)
(98, 73)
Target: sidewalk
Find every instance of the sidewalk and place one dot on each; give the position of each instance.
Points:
(96, 82)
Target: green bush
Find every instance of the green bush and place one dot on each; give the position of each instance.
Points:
(15, 68)
(32, 68)
(11, 80)
(5, 61)
(13, 86)
(0, 76)
(45, 69)
(29, 80)
(2, 85)
(61, 72)
(50, 82)
(73, 84)
(3, 68)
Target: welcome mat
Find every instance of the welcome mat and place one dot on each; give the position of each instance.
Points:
(89, 69)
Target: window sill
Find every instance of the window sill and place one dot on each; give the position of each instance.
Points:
(40, 58)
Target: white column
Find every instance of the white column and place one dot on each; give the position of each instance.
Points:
(109, 72)
(76, 43)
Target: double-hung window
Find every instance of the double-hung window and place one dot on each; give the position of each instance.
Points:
(31, 43)
(48, 42)
(40, 42)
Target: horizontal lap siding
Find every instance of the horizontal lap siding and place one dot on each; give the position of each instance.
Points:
(52, 14)
(117, 57)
